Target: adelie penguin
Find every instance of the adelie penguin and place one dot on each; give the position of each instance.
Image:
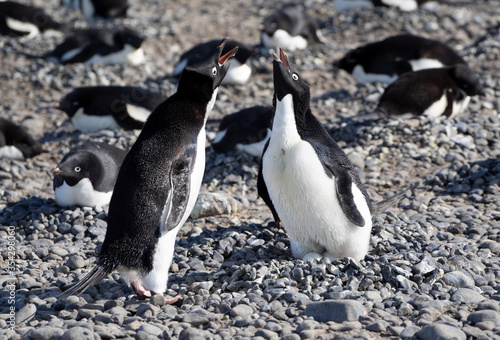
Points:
(19, 20)
(247, 130)
(403, 5)
(385, 60)
(87, 174)
(102, 46)
(291, 28)
(99, 9)
(16, 142)
(308, 182)
(239, 72)
(96, 108)
(158, 183)
(442, 91)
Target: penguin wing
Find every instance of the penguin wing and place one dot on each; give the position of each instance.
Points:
(262, 188)
(343, 184)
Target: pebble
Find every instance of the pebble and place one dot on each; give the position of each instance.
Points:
(440, 331)
(467, 295)
(338, 311)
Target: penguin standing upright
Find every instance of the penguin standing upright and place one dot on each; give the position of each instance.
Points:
(158, 183)
(307, 181)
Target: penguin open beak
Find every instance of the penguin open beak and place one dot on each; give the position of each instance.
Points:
(229, 55)
(282, 59)
(56, 171)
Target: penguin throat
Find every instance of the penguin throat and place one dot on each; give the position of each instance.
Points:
(211, 104)
(284, 123)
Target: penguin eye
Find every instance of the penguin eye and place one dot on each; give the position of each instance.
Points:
(214, 71)
(295, 76)
(78, 169)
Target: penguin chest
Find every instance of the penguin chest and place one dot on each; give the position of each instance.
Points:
(283, 39)
(92, 123)
(11, 152)
(127, 55)
(81, 194)
(237, 74)
(365, 77)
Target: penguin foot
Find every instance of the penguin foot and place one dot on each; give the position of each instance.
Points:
(140, 290)
(173, 300)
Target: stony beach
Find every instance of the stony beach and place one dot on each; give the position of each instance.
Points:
(433, 269)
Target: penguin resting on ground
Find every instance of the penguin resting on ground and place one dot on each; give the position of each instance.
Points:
(94, 108)
(158, 183)
(441, 91)
(87, 174)
(307, 181)
(16, 142)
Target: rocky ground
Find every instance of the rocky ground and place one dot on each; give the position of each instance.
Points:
(433, 271)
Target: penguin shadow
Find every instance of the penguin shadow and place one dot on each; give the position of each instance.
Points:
(478, 179)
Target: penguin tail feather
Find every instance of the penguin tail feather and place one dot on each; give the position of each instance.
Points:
(92, 278)
(381, 206)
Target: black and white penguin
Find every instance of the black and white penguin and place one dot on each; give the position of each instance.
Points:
(434, 92)
(96, 108)
(307, 181)
(403, 5)
(247, 130)
(19, 20)
(102, 46)
(103, 9)
(239, 72)
(16, 142)
(385, 60)
(291, 28)
(158, 183)
(87, 174)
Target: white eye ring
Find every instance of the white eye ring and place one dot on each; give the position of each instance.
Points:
(78, 169)
(295, 76)
(214, 71)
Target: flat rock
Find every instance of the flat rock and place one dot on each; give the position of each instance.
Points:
(335, 310)
(439, 331)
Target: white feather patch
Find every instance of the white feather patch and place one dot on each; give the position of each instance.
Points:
(23, 26)
(255, 149)
(237, 74)
(137, 112)
(437, 108)
(283, 39)
(424, 63)
(359, 73)
(81, 194)
(345, 5)
(11, 152)
(128, 55)
(89, 123)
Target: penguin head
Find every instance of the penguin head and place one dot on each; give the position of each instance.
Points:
(76, 166)
(78, 98)
(350, 60)
(287, 81)
(207, 74)
(466, 79)
(127, 36)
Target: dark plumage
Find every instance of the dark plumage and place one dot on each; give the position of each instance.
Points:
(104, 9)
(385, 60)
(19, 20)
(95, 108)
(434, 92)
(16, 142)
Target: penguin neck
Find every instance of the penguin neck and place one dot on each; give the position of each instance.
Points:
(284, 123)
(210, 105)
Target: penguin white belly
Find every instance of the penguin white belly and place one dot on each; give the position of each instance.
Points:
(284, 40)
(81, 194)
(359, 73)
(88, 10)
(424, 63)
(68, 55)
(157, 279)
(89, 123)
(11, 152)
(254, 149)
(23, 26)
(437, 108)
(137, 112)
(305, 197)
(459, 106)
(404, 5)
(128, 55)
(237, 74)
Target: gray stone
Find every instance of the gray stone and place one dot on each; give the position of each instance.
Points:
(215, 203)
(241, 310)
(484, 315)
(409, 331)
(150, 329)
(335, 310)
(45, 333)
(25, 314)
(458, 279)
(440, 331)
(75, 262)
(78, 333)
(467, 295)
(199, 317)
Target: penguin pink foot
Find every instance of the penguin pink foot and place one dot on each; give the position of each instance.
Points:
(140, 290)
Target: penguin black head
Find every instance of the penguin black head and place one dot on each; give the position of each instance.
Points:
(208, 73)
(128, 37)
(76, 166)
(287, 81)
(350, 60)
(74, 100)
(466, 79)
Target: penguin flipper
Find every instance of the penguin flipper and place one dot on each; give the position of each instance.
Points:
(346, 198)
(95, 276)
(262, 188)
